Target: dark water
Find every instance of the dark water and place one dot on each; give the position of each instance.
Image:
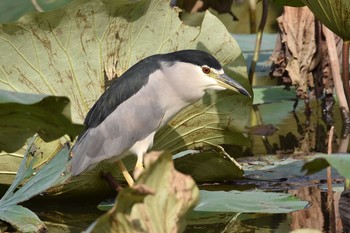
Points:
(68, 216)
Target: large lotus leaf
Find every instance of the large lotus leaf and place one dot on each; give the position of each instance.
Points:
(335, 14)
(76, 50)
(218, 118)
(72, 51)
(158, 202)
(22, 115)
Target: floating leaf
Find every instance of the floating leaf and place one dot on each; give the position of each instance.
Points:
(248, 202)
(241, 202)
(340, 161)
(277, 168)
(273, 94)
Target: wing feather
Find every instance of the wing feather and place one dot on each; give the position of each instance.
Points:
(131, 121)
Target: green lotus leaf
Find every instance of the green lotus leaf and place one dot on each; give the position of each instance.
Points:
(248, 202)
(339, 161)
(240, 202)
(22, 115)
(335, 14)
(75, 52)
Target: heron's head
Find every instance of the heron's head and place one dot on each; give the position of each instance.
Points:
(199, 70)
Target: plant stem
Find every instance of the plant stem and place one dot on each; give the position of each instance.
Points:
(252, 16)
(334, 60)
(330, 198)
(258, 41)
(345, 70)
(347, 184)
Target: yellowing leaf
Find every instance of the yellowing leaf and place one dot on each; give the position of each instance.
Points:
(158, 202)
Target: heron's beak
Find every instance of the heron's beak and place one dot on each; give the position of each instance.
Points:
(227, 82)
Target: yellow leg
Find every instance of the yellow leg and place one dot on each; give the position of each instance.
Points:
(125, 173)
(139, 163)
(138, 167)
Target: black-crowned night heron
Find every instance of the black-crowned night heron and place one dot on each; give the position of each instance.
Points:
(141, 101)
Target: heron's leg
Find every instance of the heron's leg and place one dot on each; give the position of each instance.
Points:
(125, 173)
(139, 162)
(112, 181)
(139, 166)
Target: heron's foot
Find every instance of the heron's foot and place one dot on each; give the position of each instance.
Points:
(138, 170)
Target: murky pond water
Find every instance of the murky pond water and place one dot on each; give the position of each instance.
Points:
(65, 216)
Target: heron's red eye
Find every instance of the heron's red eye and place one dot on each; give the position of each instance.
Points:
(206, 70)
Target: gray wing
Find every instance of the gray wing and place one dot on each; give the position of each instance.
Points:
(131, 121)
